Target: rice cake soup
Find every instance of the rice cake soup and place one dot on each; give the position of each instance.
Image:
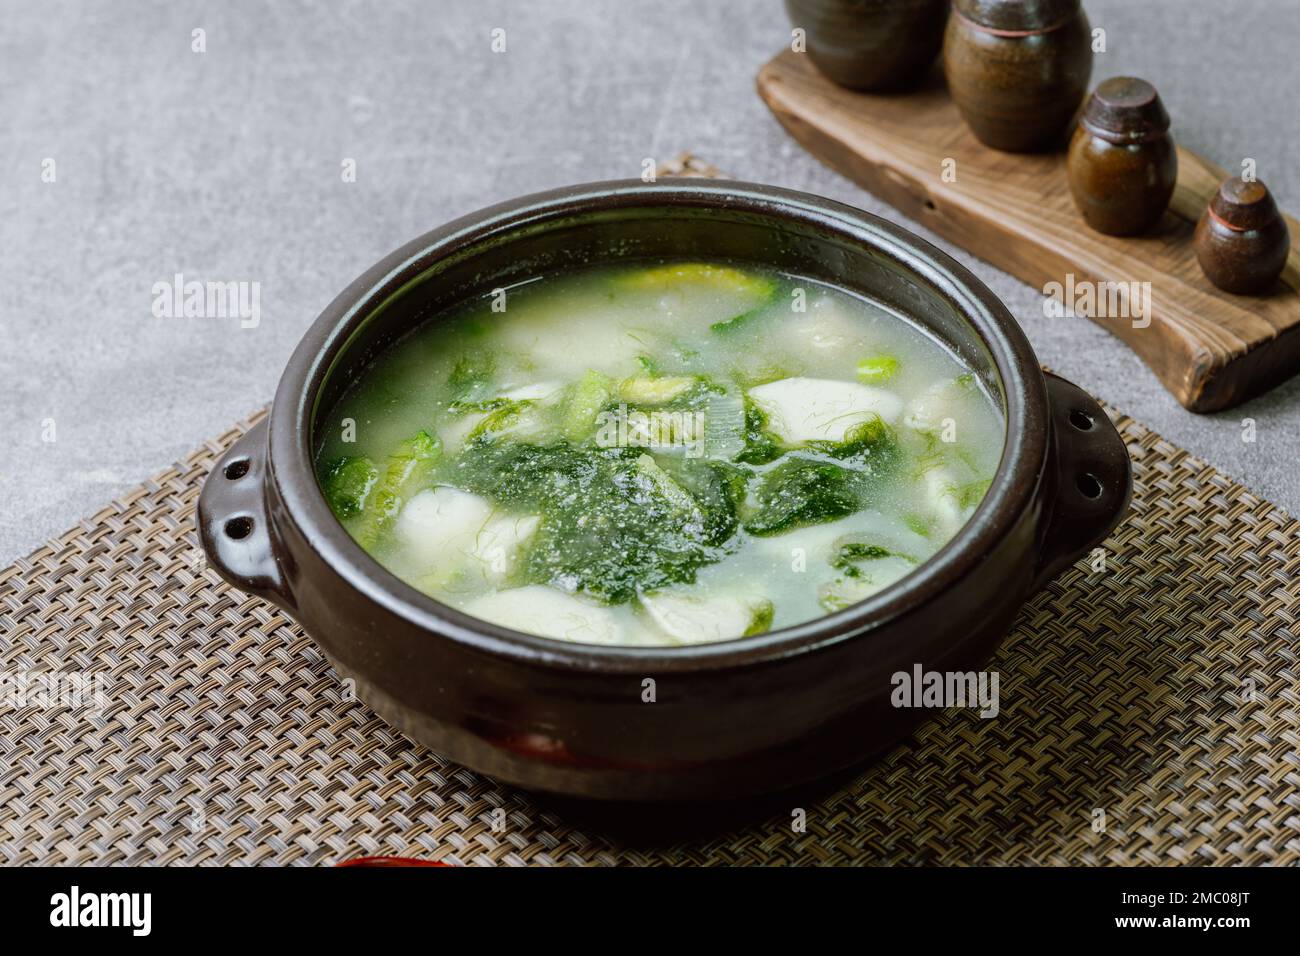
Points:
(660, 454)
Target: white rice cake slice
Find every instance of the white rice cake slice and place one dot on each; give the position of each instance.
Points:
(698, 620)
(942, 491)
(819, 543)
(873, 576)
(444, 529)
(824, 327)
(941, 402)
(498, 546)
(802, 410)
(563, 335)
(542, 610)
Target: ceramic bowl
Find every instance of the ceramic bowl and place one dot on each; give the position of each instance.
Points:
(728, 719)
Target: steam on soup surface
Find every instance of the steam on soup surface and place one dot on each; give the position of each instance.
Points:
(659, 454)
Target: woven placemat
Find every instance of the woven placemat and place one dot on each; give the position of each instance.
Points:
(1149, 715)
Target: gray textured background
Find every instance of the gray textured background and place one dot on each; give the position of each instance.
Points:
(226, 166)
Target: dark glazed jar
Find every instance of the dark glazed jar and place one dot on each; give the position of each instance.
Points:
(1242, 241)
(1123, 165)
(1018, 69)
(871, 44)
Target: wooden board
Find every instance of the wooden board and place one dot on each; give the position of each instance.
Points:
(1212, 350)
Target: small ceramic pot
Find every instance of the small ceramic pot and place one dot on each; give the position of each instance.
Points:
(871, 44)
(1242, 241)
(1123, 165)
(1018, 69)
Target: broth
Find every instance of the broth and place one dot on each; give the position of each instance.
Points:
(656, 454)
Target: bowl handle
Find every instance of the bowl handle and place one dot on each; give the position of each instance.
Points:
(1093, 476)
(234, 525)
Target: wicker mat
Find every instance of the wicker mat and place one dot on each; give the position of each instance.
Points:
(1149, 715)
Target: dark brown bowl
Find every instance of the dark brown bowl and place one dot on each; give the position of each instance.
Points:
(734, 718)
(871, 44)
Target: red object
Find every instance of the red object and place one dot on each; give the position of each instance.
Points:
(389, 861)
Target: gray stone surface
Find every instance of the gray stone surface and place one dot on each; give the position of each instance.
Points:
(226, 165)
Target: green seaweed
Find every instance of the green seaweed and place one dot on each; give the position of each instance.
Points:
(802, 491)
(719, 487)
(856, 551)
(526, 477)
(972, 493)
(850, 556)
(614, 521)
(853, 561)
(761, 446)
(934, 456)
(869, 444)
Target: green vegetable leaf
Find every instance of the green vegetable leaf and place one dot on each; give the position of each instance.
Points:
(405, 473)
(504, 412)
(761, 622)
(877, 369)
(471, 373)
(918, 525)
(585, 399)
(745, 321)
(651, 390)
(482, 405)
(738, 323)
(706, 275)
(348, 483)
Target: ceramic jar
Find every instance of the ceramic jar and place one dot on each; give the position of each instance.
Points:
(1018, 69)
(871, 44)
(1242, 241)
(1123, 165)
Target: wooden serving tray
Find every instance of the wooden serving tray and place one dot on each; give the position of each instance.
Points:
(1212, 350)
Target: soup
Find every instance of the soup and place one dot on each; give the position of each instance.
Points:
(659, 454)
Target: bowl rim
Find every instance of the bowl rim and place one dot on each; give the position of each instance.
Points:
(293, 483)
